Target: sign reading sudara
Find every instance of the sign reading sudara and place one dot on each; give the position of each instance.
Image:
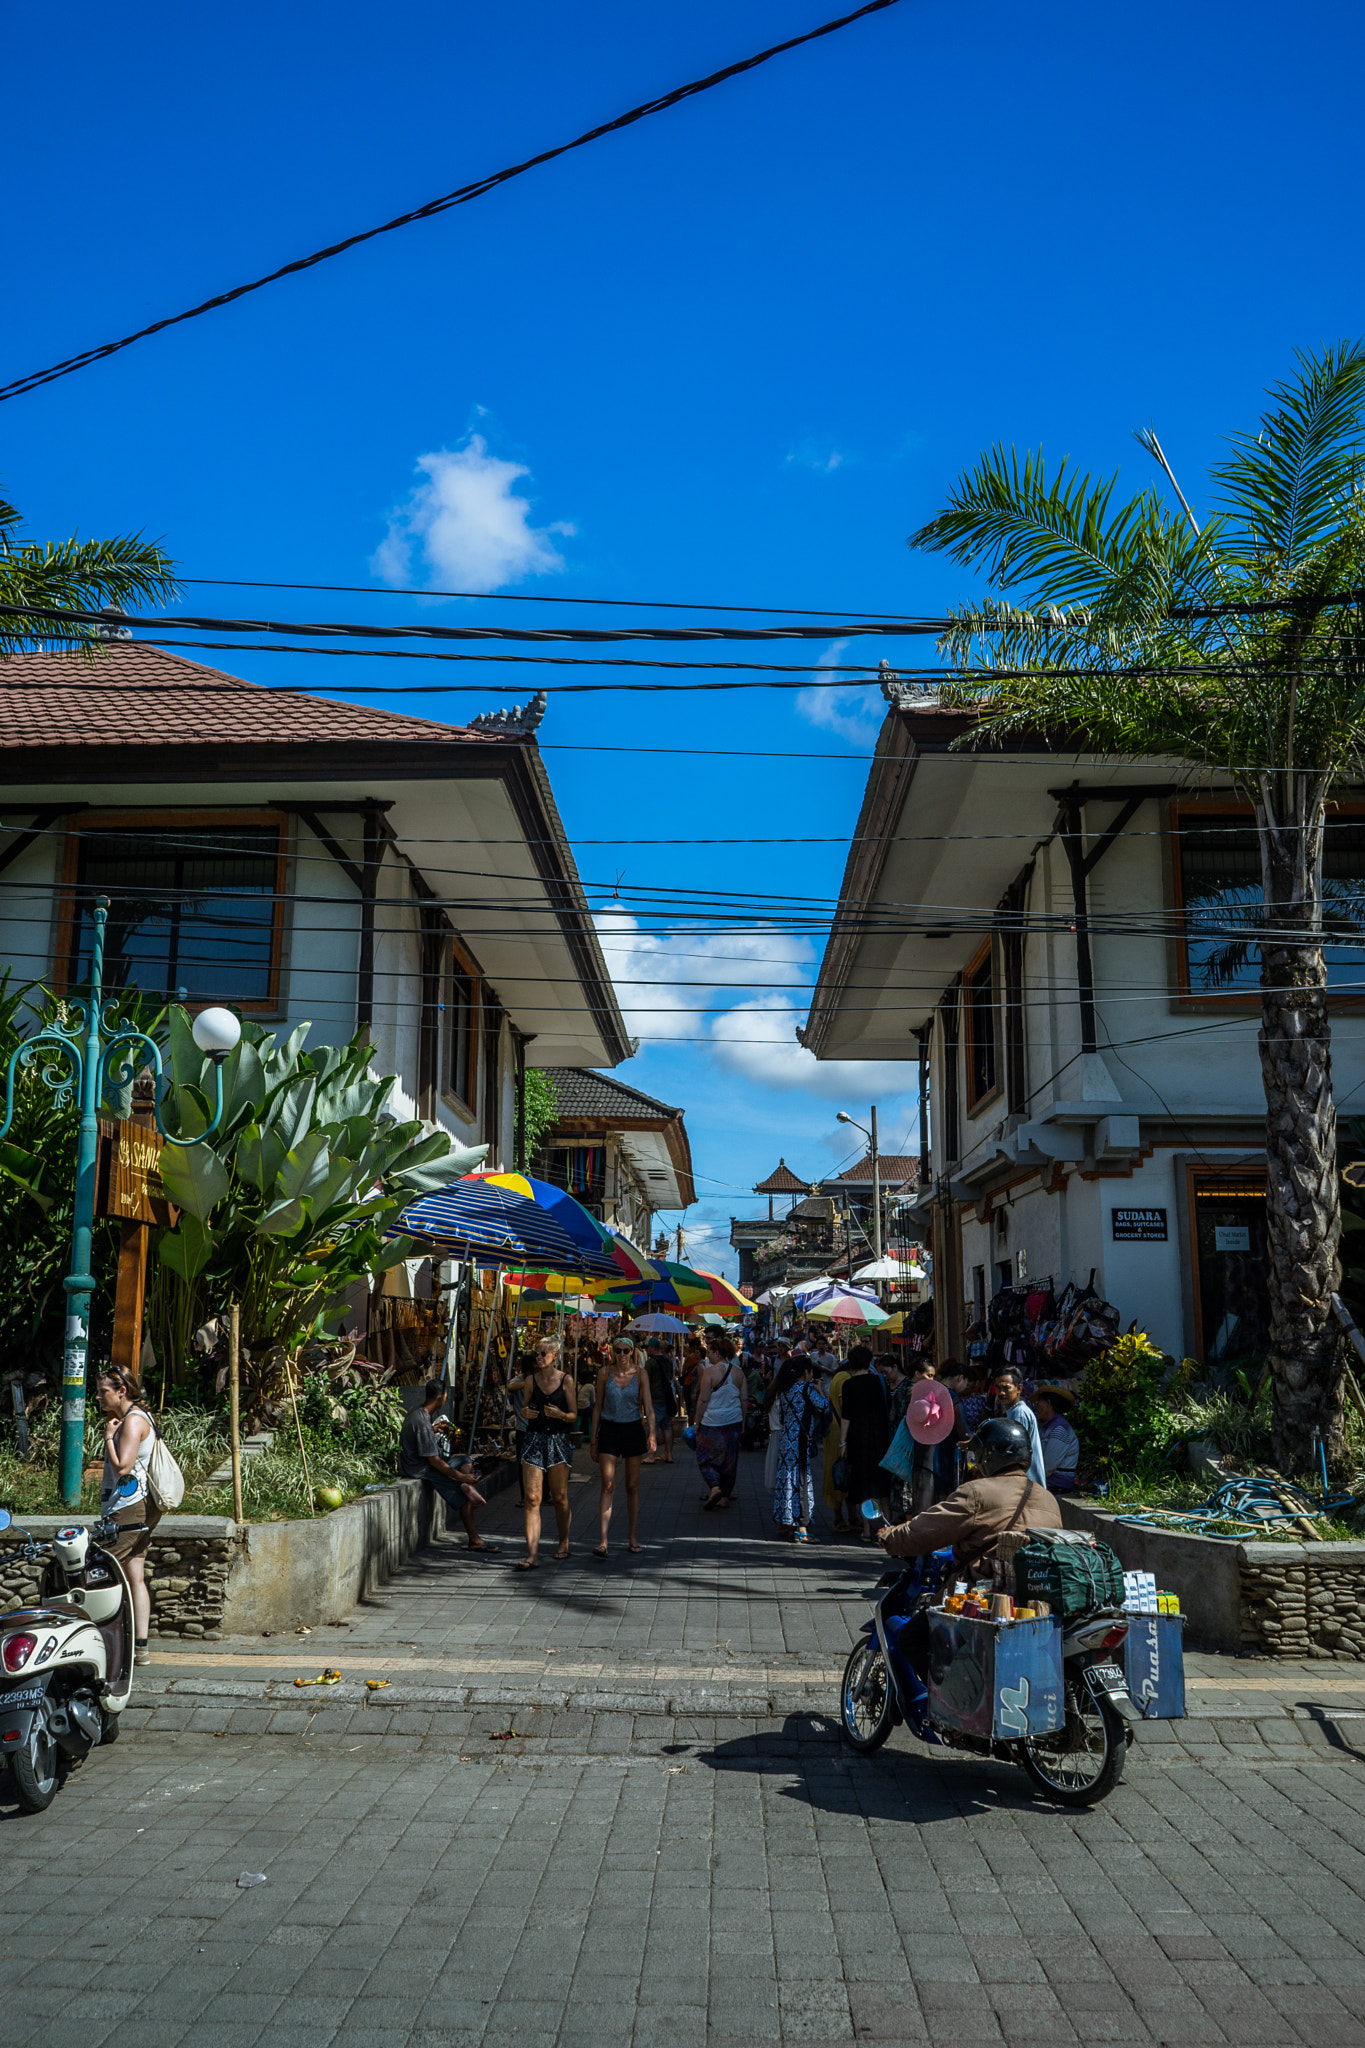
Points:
(1139, 1226)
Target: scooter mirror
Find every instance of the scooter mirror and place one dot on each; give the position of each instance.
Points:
(5, 1518)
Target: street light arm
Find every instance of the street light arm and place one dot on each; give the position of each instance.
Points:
(119, 1072)
(63, 1044)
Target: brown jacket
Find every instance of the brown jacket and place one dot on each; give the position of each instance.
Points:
(971, 1519)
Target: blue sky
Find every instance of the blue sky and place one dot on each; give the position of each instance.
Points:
(733, 355)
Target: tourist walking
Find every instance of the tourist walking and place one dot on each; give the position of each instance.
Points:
(833, 1499)
(663, 1395)
(721, 1396)
(622, 1431)
(865, 1436)
(549, 1403)
(801, 1418)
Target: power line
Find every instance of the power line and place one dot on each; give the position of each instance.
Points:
(652, 604)
(459, 197)
(332, 629)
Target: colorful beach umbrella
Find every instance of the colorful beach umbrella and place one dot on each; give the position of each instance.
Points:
(579, 1226)
(476, 1218)
(846, 1308)
(727, 1299)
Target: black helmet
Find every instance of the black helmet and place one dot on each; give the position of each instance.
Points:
(1001, 1446)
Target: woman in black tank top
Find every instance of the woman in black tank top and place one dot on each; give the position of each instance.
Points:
(549, 1404)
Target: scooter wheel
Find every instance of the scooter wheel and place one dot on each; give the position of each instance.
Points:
(110, 1725)
(1082, 1764)
(37, 1767)
(867, 1711)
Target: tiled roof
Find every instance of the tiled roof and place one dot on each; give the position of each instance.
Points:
(581, 1092)
(893, 1170)
(133, 695)
(782, 1181)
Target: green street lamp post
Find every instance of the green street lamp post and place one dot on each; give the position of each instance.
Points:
(87, 1058)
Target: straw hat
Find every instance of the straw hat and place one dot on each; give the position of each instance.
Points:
(1060, 1397)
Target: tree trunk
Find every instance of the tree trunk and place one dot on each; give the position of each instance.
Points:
(1303, 1200)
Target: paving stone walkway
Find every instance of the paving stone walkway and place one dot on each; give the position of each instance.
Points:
(607, 1804)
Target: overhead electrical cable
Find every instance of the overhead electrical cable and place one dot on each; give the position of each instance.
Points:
(651, 604)
(330, 629)
(461, 196)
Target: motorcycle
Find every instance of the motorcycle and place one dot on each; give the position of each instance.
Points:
(66, 1664)
(1077, 1764)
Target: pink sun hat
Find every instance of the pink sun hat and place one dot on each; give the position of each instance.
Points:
(929, 1417)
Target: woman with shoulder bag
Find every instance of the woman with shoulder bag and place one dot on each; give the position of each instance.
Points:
(721, 1399)
(129, 1440)
(622, 1427)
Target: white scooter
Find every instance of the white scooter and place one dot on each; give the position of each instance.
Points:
(66, 1665)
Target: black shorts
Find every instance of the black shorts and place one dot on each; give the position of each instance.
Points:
(622, 1439)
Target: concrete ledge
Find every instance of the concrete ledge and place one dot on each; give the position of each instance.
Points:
(1278, 1599)
(285, 1574)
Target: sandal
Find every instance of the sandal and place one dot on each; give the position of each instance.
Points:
(800, 1536)
(599, 1550)
(527, 1564)
(637, 1549)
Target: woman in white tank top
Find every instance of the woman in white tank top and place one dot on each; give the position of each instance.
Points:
(721, 1397)
(129, 1434)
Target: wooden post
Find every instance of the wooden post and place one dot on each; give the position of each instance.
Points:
(235, 1406)
(125, 1345)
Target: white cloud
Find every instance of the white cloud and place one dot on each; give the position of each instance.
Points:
(743, 1038)
(810, 455)
(666, 982)
(466, 525)
(855, 712)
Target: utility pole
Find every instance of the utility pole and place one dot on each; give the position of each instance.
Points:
(876, 1193)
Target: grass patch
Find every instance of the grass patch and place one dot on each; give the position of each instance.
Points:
(273, 1485)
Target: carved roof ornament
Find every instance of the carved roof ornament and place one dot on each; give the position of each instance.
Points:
(895, 690)
(517, 722)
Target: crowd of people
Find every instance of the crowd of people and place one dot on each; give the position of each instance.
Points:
(882, 1443)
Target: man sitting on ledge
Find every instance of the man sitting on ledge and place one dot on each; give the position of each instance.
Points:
(419, 1457)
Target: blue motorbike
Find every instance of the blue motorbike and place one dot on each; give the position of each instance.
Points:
(1061, 1710)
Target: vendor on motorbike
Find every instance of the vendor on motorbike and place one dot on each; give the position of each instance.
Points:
(969, 1520)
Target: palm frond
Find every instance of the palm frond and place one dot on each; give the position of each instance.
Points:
(73, 576)
(1285, 483)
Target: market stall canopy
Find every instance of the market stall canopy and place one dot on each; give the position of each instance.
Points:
(890, 1269)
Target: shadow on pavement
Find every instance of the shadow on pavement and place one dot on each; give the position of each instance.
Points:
(919, 1786)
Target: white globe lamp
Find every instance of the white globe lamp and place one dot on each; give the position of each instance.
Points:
(216, 1033)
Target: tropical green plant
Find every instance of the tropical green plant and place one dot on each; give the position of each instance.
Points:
(540, 1111)
(1120, 1415)
(74, 575)
(293, 1199)
(1238, 647)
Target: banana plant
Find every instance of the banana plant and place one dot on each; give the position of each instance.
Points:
(290, 1203)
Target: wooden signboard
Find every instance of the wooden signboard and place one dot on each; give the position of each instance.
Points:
(130, 1190)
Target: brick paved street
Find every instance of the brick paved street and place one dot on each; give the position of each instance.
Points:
(673, 1846)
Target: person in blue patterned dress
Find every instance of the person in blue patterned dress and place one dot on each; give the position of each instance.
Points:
(801, 1418)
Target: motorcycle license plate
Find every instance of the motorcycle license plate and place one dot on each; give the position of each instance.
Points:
(21, 1701)
(1105, 1678)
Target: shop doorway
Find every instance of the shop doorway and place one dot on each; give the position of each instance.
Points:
(1228, 1256)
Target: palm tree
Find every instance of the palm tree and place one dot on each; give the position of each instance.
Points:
(73, 575)
(1238, 647)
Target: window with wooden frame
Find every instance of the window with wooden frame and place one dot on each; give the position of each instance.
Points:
(462, 1013)
(196, 904)
(978, 1004)
(1216, 884)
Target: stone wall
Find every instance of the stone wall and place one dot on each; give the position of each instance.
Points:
(1278, 1599)
(1303, 1599)
(188, 1562)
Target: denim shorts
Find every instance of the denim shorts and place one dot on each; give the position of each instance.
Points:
(545, 1448)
